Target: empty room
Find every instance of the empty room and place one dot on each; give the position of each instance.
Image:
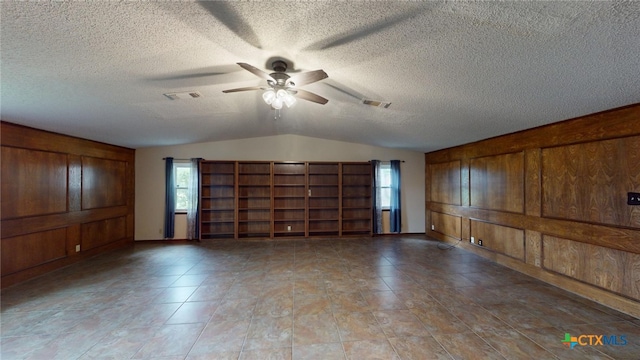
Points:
(320, 180)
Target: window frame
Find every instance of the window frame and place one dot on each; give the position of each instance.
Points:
(176, 165)
(385, 166)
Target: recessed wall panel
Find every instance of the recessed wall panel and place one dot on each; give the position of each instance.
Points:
(497, 182)
(445, 183)
(589, 181)
(103, 183)
(98, 233)
(446, 224)
(33, 182)
(501, 239)
(610, 269)
(26, 251)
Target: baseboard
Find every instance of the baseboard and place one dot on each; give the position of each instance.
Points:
(420, 234)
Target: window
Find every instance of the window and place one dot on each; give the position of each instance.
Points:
(182, 174)
(385, 185)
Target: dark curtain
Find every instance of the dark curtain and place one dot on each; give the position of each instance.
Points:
(375, 197)
(396, 223)
(170, 200)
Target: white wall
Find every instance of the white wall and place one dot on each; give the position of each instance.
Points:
(149, 206)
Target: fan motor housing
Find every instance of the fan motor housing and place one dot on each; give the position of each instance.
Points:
(281, 78)
(279, 66)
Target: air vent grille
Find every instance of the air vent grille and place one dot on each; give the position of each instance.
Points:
(377, 103)
(183, 95)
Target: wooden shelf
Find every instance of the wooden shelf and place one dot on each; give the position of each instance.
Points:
(289, 198)
(356, 198)
(286, 198)
(217, 199)
(324, 199)
(254, 198)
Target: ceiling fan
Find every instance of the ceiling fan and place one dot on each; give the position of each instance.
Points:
(282, 89)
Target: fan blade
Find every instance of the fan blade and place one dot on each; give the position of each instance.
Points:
(309, 96)
(250, 88)
(230, 18)
(308, 77)
(257, 72)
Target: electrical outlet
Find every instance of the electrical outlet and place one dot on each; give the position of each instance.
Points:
(288, 227)
(480, 242)
(473, 240)
(77, 248)
(433, 227)
(633, 198)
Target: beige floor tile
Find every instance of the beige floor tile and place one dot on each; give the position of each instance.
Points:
(512, 344)
(194, 312)
(331, 351)
(437, 319)
(221, 336)
(311, 305)
(478, 319)
(266, 354)
(370, 350)
(235, 309)
(468, 346)
(400, 323)
(348, 302)
(358, 326)
(315, 329)
(419, 348)
(383, 300)
(269, 333)
(170, 340)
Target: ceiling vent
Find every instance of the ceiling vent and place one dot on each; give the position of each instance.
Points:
(183, 95)
(376, 103)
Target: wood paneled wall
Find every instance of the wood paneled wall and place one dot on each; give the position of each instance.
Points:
(550, 202)
(59, 192)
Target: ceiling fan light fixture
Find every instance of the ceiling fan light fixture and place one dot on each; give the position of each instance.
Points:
(269, 96)
(277, 103)
(281, 93)
(289, 100)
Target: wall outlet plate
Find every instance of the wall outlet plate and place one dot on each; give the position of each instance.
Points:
(433, 227)
(480, 242)
(633, 198)
(473, 240)
(77, 248)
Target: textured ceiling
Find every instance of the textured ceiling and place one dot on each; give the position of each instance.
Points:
(455, 72)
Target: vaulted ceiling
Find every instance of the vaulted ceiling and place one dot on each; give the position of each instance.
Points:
(454, 72)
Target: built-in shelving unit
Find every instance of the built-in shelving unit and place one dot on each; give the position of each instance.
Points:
(324, 199)
(289, 198)
(254, 199)
(356, 199)
(217, 199)
(261, 199)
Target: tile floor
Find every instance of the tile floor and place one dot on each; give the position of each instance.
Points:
(358, 298)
